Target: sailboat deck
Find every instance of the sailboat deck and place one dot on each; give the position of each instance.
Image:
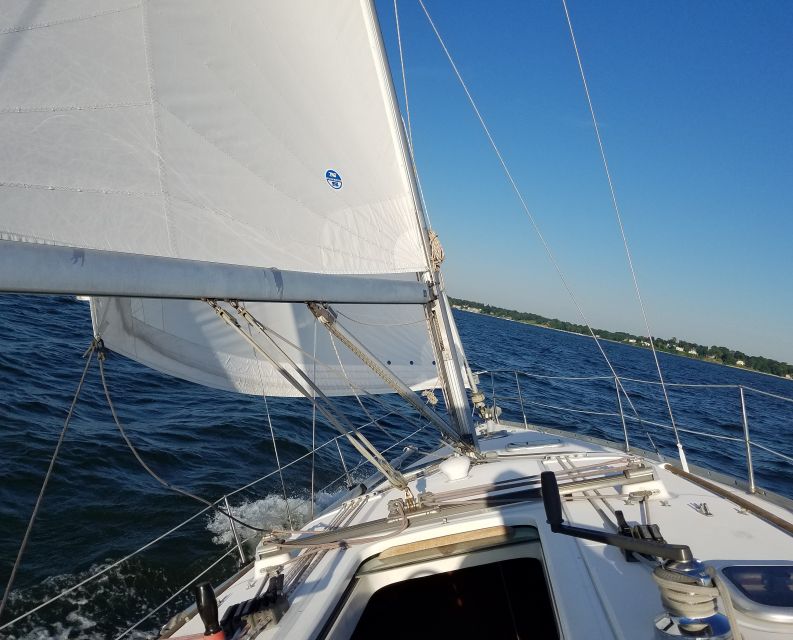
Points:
(595, 591)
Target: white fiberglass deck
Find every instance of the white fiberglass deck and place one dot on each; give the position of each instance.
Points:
(596, 593)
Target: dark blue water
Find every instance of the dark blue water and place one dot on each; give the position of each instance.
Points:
(100, 505)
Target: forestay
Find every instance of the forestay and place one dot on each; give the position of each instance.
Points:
(250, 133)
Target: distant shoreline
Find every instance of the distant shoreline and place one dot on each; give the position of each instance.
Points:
(481, 312)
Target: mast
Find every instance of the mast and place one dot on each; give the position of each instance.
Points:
(439, 317)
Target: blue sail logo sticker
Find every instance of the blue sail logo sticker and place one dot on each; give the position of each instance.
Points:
(333, 178)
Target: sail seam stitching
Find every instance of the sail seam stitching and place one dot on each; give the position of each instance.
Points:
(384, 246)
(86, 107)
(373, 240)
(156, 128)
(51, 187)
(55, 23)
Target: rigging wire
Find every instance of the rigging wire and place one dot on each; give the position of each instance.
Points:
(355, 393)
(327, 443)
(342, 375)
(380, 324)
(525, 207)
(23, 545)
(329, 320)
(330, 369)
(272, 437)
(622, 232)
(313, 419)
(404, 80)
(142, 462)
(249, 317)
(278, 463)
(326, 407)
(409, 125)
(181, 589)
(104, 570)
(396, 444)
(350, 483)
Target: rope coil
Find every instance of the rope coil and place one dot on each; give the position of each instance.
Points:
(683, 596)
(437, 254)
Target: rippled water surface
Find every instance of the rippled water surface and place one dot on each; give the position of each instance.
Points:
(100, 505)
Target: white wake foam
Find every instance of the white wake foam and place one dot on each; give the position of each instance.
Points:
(270, 512)
(80, 609)
(82, 612)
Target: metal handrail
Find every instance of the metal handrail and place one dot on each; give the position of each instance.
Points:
(776, 453)
(365, 462)
(508, 374)
(767, 393)
(703, 385)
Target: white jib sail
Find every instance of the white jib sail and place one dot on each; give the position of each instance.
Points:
(187, 340)
(251, 133)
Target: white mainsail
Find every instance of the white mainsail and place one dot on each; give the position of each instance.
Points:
(205, 131)
(250, 133)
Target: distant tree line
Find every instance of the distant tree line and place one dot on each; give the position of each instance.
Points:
(721, 355)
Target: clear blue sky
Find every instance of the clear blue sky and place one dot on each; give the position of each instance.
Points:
(695, 103)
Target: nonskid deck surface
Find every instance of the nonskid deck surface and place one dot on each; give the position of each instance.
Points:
(596, 592)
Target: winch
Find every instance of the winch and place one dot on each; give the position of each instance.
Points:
(689, 589)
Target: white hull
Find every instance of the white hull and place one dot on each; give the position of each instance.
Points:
(596, 593)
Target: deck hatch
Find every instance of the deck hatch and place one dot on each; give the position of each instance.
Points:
(762, 591)
(767, 585)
